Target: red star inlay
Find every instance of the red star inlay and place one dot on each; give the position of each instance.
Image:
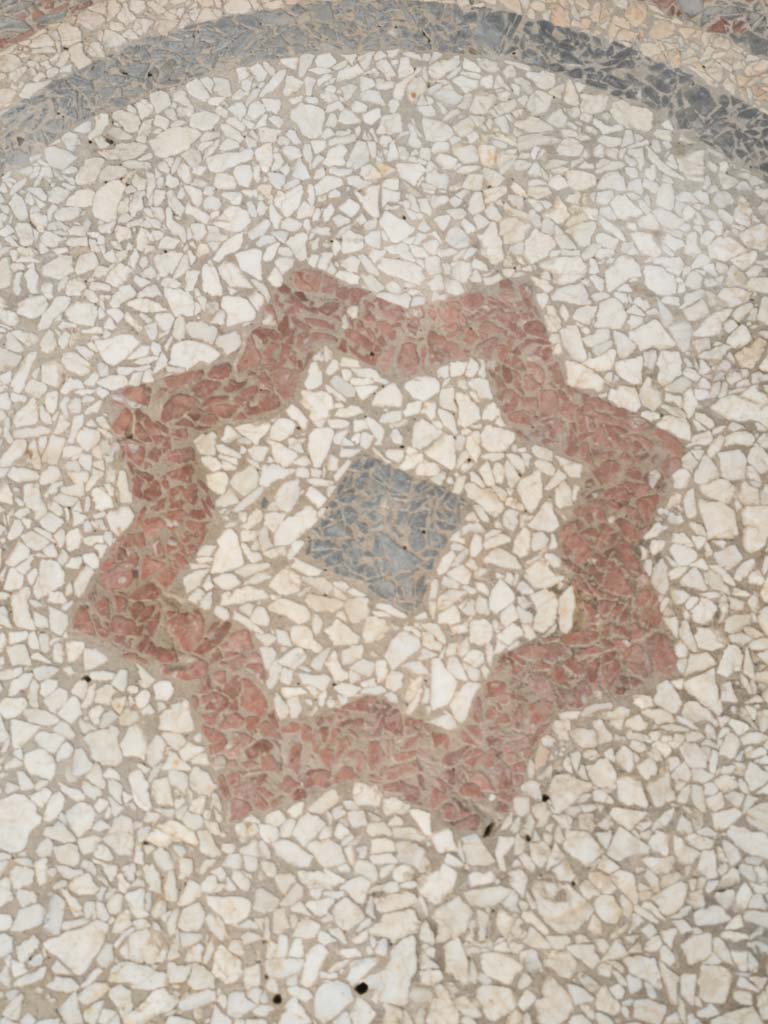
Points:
(618, 644)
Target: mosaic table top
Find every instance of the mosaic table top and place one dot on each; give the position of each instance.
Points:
(384, 497)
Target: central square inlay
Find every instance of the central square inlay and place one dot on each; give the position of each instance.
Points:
(386, 530)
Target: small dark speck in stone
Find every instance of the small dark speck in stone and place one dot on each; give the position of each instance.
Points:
(545, 797)
(488, 829)
(277, 999)
(361, 989)
(527, 838)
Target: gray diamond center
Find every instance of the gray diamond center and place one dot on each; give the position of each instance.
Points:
(386, 530)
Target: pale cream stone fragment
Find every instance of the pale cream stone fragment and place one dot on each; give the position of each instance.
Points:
(173, 141)
(18, 818)
(77, 948)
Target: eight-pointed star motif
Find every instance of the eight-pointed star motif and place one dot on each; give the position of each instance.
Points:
(464, 776)
(383, 538)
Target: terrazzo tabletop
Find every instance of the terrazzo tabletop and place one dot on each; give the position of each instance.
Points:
(384, 512)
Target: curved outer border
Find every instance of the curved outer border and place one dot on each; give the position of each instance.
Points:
(718, 119)
(618, 644)
(721, 61)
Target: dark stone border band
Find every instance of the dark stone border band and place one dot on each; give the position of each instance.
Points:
(164, 62)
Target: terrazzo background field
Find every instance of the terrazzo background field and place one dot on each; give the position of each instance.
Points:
(384, 497)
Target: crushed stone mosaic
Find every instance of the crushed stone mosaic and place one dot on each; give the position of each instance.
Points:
(19, 19)
(745, 20)
(385, 530)
(383, 512)
(219, 47)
